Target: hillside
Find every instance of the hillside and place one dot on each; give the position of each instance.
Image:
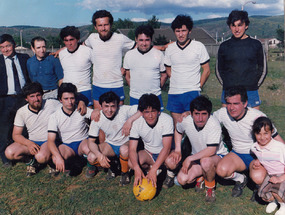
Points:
(260, 26)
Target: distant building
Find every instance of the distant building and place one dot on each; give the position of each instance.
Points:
(272, 42)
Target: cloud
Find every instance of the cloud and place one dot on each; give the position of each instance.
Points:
(213, 16)
(138, 19)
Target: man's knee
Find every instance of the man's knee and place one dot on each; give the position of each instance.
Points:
(222, 170)
(169, 163)
(207, 164)
(42, 157)
(124, 151)
(10, 153)
(91, 158)
(182, 178)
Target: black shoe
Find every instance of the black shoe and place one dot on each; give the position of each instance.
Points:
(254, 193)
(237, 190)
(168, 182)
(91, 171)
(125, 179)
(110, 175)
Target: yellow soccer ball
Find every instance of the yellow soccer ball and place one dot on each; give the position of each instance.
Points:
(144, 191)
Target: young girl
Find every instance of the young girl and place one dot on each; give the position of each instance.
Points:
(271, 154)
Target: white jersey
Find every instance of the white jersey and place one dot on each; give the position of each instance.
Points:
(77, 67)
(113, 128)
(108, 59)
(36, 122)
(145, 69)
(185, 66)
(240, 131)
(210, 135)
(152, 137)
(72, 127)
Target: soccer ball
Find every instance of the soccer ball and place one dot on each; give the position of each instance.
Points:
(144, 191)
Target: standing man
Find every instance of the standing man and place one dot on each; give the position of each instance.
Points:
(76, 61)
(108, 50)
(14, 75)
(145, 71)
(156, 131)
(204, 133)
(241, 60)
(44, 68)
(183, 61)
(238, 119)
(34, 116)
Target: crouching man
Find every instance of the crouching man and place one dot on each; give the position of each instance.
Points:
(204, 133)
(115, 121)
(156, 131)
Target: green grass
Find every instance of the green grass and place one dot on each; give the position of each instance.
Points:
(41, 194)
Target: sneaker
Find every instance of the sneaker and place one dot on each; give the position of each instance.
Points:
(200, 186)
(110, 175)
(125, 179)
(210, 195)
(91, 171)
(281, 211)
(53, 172)
(271, 207)
(237, 190)
(31, 170)
(254, 193)
(168, 182)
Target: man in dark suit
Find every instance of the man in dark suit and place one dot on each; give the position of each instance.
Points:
(13, 76)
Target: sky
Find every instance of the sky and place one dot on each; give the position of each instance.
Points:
(59, 13)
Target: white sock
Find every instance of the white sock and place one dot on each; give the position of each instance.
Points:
(282, 204)
(236, 177)
(170, 173)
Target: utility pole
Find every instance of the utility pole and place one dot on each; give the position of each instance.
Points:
(284, 29)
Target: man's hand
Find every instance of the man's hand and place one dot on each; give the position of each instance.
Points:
(151, 176)
(276, 179)
(95, 115)
(82, 108)
(175, 156)
(186, 165)
(104, 161)
(183, 115)
(59, 164)
(34, 148)
(256, 164)
(138, 176)
(126, 128)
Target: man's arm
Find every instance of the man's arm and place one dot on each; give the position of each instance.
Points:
(128, 76)
(128, 124)
(176, 154)
(163, 78)
(279, 138)
(168, 70)
(60, 82)
(102, 159)
(261, 65)
(57, 158)
(152, 174)
(19, 138)
(133, 156)
(205, 74)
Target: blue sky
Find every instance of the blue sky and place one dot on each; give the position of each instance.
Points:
(59, 13)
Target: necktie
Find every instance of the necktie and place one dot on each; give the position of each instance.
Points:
(16, 77)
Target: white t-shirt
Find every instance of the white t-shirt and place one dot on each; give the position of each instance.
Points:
(210, 135)
(108, 59)
(240, 131)
(144, 71)
(152, 137)
(36, 123)
(72, 127)
(185, 66)
(77, 67)
(113, 128)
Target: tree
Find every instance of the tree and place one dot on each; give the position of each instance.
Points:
(280, 36)
(154, 22)
(160, 40)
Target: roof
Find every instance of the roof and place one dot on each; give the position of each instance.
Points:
(198, 34)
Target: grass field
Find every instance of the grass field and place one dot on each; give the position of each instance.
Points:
(42, 194)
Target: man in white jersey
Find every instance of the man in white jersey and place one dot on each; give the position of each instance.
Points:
(71, 127)
(76, 61)
(108, 50)
(34, 117)
(183, 61)
(238, 119)
(156, 131)
(204, 133)
(144, 66)
(112, 120)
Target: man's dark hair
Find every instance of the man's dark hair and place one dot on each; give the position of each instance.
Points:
(66, 88)
(149, 100)
(237, 15)
(102, 14)
(37, 39)
(201, 103)
(182, 20)
(236, 90)
(109, 97)
(70, 31)
(7, 38)
(31, 88)
(144, 29)
(261, 122)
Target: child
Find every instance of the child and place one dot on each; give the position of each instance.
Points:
(271, 154)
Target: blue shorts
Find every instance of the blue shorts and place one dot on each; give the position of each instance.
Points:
(116, 149)
(39, 142)
(152, 155)
(98, 91)
(73, 145)
(179, 103)
(134, 101)
(253, 98)
(87, 95)
(246, 158)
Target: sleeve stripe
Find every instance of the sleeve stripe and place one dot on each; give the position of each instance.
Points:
(95, 137)
(133, 138)
(167, 135)
(50, 131)
(205, 62)
(214, 144)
